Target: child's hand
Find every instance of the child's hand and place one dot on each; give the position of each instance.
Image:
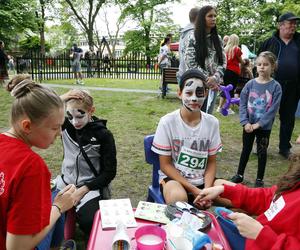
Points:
(255, 126)
(247, 226)
(208, 194)
(79, 193)
(64, 199)
(248, 128)
(212, 83)
(71, 94)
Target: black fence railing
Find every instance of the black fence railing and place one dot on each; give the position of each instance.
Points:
(133, 66)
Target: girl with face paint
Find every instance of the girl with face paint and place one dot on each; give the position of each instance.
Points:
(86, 136)
(187, 141)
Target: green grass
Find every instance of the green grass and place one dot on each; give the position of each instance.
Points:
(113, 83)
(131, 116)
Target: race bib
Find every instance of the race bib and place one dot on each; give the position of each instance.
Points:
(193, 159)
(275, 208)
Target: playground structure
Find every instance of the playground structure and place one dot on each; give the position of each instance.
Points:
(229, 99)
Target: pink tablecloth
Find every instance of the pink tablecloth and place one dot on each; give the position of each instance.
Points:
(102, 239)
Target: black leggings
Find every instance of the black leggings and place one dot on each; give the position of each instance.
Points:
(85, 215)
(232, 78)
(262, 140)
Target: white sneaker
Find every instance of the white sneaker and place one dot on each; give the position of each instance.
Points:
(81, 82)
(231, 112)
(218, 109)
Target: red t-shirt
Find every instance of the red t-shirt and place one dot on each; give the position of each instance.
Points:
(233, 63)
(25, 195)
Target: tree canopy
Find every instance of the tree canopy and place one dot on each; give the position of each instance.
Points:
(252, 20)
(16, 17)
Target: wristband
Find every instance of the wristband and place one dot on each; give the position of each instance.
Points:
(58, 208)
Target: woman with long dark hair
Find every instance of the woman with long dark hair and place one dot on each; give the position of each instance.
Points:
(204, 51)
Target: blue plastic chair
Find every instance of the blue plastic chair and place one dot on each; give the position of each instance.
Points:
(154, 194)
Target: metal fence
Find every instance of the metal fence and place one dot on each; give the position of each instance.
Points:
(133, 66)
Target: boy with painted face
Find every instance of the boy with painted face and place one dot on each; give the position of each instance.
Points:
(86, 136)
(187, 141)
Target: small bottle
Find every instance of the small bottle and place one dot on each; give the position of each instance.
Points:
(121, 239)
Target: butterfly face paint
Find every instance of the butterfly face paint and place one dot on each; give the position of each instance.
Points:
(78, 117)
(193, 95)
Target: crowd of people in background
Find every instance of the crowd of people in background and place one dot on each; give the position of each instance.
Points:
(187, 140)
(206, 62)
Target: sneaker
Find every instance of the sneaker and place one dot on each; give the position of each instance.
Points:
(237, 178)
(259, 183)
(231, 112)
(285, 154)
(218, 109)
(80, 82)
(68, 245)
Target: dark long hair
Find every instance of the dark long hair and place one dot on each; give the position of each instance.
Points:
(200, 36)
(166, 40)
(291, 179)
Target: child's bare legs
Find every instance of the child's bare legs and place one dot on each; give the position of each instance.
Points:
(173, 191)
(298, 140)
(222, 102)
(222, 201)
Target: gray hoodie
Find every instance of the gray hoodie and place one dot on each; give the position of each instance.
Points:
(187, 29)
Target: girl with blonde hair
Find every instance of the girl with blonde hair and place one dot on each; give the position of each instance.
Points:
(26, 212)
(233, 70)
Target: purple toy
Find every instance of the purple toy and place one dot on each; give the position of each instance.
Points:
(229, 100)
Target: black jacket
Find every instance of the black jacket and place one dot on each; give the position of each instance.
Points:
(273, 44)
(98, 143)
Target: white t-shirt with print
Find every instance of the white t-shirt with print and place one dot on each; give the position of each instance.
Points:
(164, 51)
(188, 146)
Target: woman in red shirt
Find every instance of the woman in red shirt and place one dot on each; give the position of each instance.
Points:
(277, 209)
(26, 214)
(233, 70)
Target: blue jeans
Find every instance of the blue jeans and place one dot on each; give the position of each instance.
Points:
(56, 235)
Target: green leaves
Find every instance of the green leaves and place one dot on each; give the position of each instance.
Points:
(16, 16)
(252, 20)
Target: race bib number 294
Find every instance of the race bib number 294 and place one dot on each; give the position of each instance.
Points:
(192, 160)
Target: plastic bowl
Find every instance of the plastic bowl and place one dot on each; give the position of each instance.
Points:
(150, 237)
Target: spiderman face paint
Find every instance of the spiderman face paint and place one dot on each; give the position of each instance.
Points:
(193, 95)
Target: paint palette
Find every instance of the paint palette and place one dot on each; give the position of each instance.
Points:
(176, 210)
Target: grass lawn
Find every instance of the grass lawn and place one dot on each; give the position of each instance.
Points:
(113, 83)
(131, 116)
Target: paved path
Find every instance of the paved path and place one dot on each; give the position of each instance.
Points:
(105, 89)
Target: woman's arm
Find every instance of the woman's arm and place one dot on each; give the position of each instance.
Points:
(24, 242)
(63, 202)
(221, 67)
(189, 54)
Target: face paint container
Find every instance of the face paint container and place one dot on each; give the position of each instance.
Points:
(176, 241)
(150, 237)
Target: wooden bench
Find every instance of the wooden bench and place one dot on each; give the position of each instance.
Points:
(168, 77)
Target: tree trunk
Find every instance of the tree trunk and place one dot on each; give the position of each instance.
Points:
(42, 27)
